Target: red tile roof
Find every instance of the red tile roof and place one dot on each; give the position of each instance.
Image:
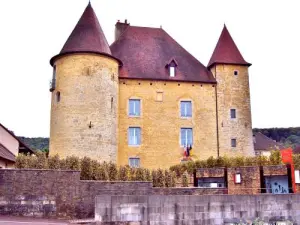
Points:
(6, 154)
(87, 37)
(262, 142)
(226, 51)
(145, 52)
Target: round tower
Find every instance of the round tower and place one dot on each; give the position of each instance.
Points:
(234, 124)
(84, 88)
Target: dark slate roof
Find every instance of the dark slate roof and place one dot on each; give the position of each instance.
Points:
(23, 148)
(145, 53)
(262, 142)
(87, 37)
(6, 154)
(226, 51)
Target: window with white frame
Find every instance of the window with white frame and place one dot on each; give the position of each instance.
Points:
(134, 107)
(186, 109)
(134, 136)
(134, 162)
(186, 136)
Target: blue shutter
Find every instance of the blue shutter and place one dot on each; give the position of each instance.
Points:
(182, 108)
(131, 107)
(182, 136)
(130, 136)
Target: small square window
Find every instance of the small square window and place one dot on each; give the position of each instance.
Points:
(233, 113)
(134, 136)
(134, 162)
(134, 107)
(159, 96)
(233, 142)
(236, 72)
(186, 109)
(186, 136)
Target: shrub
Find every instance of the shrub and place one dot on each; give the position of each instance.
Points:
(72, 163)
(22, 161)
(86, 169)
(238, 161)
(100, 172)
(190, 167)
(211, 162)
(296, 160)
(40, 161)
(112, 171)
(139, 174)
(123, 173)
(148, 176)
(262, 160)
(169, 178)
(54, 162)
(185, 182)
(275, 158)
(160, 178)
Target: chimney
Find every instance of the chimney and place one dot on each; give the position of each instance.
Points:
(120, 28)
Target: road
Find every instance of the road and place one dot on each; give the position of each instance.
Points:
(27, 221)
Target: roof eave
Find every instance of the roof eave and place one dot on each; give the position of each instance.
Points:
(173, 80)
(226, 63)
(54, 58)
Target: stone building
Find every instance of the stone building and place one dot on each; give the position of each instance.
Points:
(264, 145)
(144, 100)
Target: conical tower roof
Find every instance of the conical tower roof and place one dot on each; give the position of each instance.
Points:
(87, 37)
(226, 51)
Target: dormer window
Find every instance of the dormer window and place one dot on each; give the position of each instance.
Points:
(171, 65)
(172, 71)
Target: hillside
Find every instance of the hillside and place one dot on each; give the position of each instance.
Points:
(287, 136)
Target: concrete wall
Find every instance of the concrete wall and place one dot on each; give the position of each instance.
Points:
(160, 121)
(233, 92)
(88, 86)
(209, 210)
(9, 141)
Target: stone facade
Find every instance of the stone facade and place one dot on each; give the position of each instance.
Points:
(233, 92)
(160, 121)
(250, 180)
(84, 119)
(275, 170)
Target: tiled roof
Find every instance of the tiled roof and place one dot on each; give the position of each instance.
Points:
(87, 37)
(262, 142)
(226, 51)
(145, 52)
(6, 154)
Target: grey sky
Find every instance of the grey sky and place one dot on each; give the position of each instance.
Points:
(266, 33)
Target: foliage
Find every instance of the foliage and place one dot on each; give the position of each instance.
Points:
(54, 162)
(160, 178)
(296, 159)
(86, 169)
(112, 171)
(38, 143)
(275, 158)
(123, 173)
(72, 163)
(148, 176)
(185, 182)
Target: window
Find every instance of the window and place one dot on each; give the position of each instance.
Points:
(233, 142)
(186, 109)
(232, 113)
(58, 96)
(134, 136)
(172, 71)
(134, 107)
(186, 136)
(134, 162)
(159, 96)
(236, 72)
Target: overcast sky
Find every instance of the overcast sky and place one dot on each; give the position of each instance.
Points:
(266, 32)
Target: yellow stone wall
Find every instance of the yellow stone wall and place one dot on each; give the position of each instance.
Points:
(88, 86)
(160, 121)
(234, 92)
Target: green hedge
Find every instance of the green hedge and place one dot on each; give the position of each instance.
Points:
(94, 170)
(211, 162)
